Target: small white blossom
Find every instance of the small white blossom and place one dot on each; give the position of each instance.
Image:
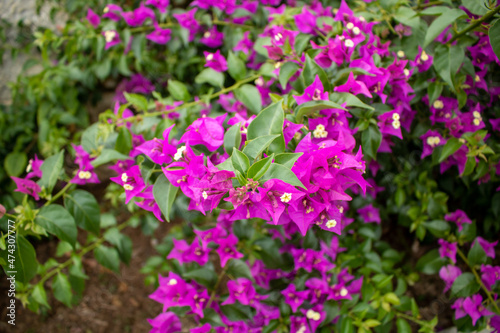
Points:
(286, 197)
(178, 154)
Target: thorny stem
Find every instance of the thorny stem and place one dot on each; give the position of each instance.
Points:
(478, 279)
(475, 24)
(190, 104)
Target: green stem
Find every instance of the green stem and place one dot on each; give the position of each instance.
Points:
(190, 104)
(60, 193)
(84, 251)
(478, 279)
(475, 24)
(217, 284)
(415, 320)
(429, 4)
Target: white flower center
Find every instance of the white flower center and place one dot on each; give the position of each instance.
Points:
(343, 292)
(84, 175)
(401, 53)
(128, 187)
(109, 35)
(349, 43)
(477, 78)
(396, 124)
(124, 177)
(30, 166)
(278, 37)
(286, 197)
(395, 116)
(204, 195)
(311, 314)
(406, 72)
(178, 154)
(476, 121)
(331, 224)
(207, 34)
(356, 31)
(319, 132)
(438, 104)
(433, 141)
(172, 282)
(424, 56)
(105, 10)
(349, 25)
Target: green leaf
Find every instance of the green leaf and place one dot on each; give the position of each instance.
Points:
(438, 228)
(122, 242)
(15, 163)
(238, 268)
(403, 326)
(451, 146)
(62, 289)
(370, 140)
(269, 121)
(108, 155)
(204, 276)
(311, 69)
(438, 25)
(138, 101)
(278, 171)
(24, 264)
(108, 257)
(349, 100)
(476, 7)
(85, 209)
(237, 312)
(476, 255)
(287, 159)
(258, 169)
(254, 148)
(178, 90)
(51, 168)
(250, 97)
(287, 70)
(39, 295)
(212, 317)
(240, 161)
(430, 263)
(346, 325)
(465, 285)
(407, 16)
(434, 91)
(123, 142)
(236, 67)
(494, 35)
(232, 138)
(301, 42)
(311, 107)
(164, 194)
(210, 76)
(59, 222)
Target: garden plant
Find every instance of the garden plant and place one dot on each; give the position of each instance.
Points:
(319, 160)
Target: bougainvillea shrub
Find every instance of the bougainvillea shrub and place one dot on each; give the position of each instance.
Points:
(320, 158)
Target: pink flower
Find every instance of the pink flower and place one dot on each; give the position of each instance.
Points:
(27, 186)
(448, 250)
(93, 18)
(216, 61)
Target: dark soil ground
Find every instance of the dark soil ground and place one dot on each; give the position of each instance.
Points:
(111, 302)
